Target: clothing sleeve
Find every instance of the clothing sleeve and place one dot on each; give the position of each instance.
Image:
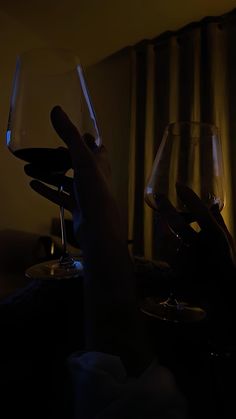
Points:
(100, 389)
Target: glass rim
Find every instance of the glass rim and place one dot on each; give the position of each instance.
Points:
(58, 61)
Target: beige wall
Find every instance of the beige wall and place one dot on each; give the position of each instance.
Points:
(98, 28)
(20, 207)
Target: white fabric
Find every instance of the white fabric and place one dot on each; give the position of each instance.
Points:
(101, 389)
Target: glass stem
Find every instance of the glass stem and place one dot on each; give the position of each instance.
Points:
(63, 229)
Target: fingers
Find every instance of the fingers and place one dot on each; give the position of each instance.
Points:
(47, 177)
(211, 223)
(90, 142)
(59, 198)
(195, 205)
(64, 127)
(79, 151)
(218, 217)
(175, 220)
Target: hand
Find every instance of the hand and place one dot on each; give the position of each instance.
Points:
(88, 195)
(206, 256)
(112, 316)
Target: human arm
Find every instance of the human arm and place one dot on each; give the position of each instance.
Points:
(112, 318)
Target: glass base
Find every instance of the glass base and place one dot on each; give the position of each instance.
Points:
(54, 269)
(172, 310)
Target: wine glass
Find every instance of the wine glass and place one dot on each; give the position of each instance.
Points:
(190, 153)
(44, 78)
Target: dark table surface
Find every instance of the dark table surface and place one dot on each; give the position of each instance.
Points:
(42, 323)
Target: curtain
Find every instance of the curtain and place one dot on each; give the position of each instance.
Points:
(188, 75)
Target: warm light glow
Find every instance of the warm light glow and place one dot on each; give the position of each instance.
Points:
(52, 248)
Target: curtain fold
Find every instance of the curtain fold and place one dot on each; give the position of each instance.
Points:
(148, 150)
(182, 76)
(137, 142)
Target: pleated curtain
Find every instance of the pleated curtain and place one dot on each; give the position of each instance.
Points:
(188, 75)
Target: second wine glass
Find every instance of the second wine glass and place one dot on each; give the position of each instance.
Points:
(190, 153)
(43, 79)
